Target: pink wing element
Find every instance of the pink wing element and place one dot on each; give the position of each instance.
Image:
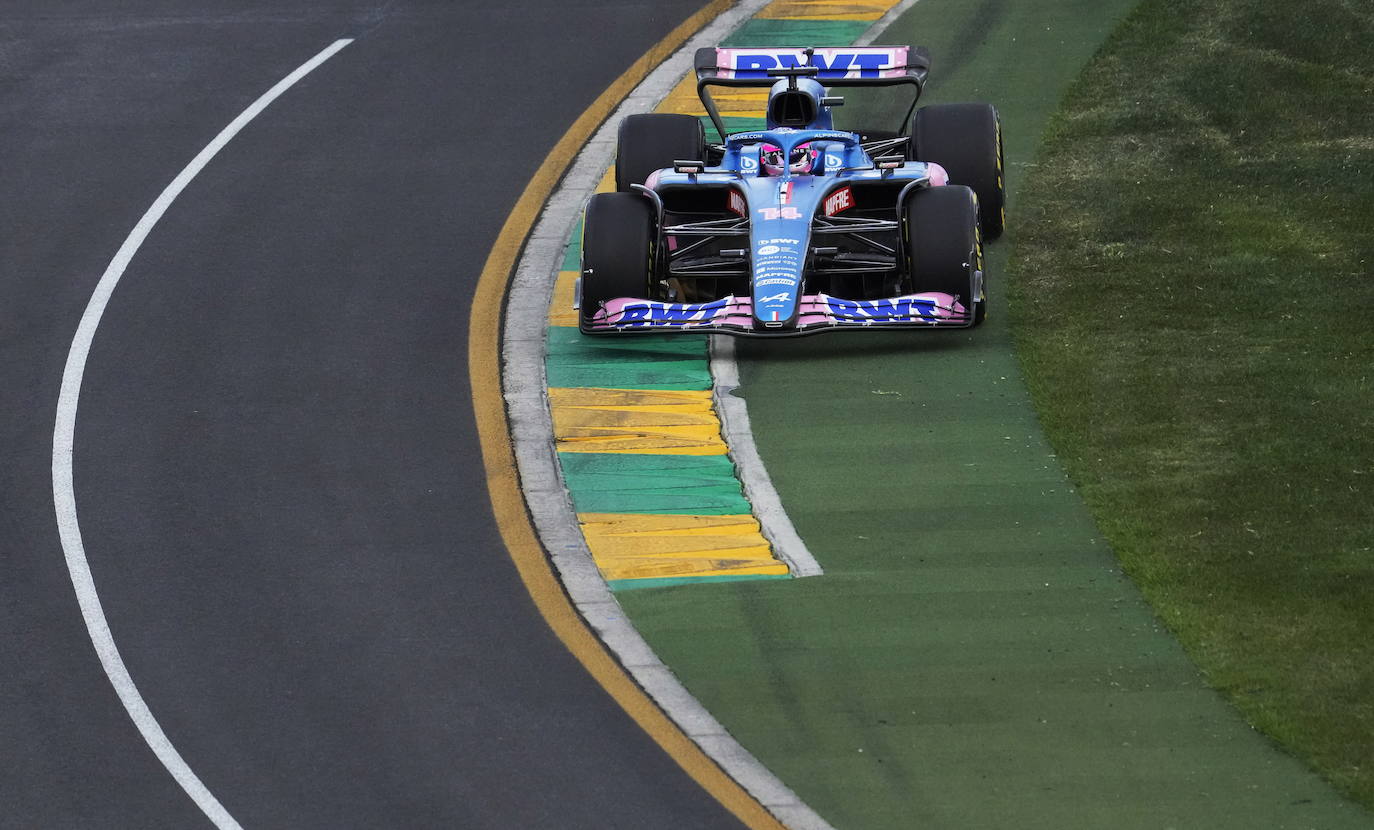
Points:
(938, 176)
(816, 311)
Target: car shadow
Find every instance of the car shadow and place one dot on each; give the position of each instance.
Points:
(846, 344)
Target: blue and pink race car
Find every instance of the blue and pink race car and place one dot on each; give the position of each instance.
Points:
(828, 218)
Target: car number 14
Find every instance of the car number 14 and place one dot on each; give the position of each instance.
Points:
(771, 213)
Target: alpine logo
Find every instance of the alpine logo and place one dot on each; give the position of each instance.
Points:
(839, 201)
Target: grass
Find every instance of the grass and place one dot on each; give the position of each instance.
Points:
(1193, 305)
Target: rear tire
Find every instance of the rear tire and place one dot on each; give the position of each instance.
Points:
(617, 250)
(943, 244)
(652, 141)
(966, 140)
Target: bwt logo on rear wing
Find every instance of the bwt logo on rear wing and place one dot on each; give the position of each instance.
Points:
(852, 63)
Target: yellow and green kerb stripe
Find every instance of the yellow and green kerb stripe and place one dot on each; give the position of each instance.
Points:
(643, 459)
(635, 427)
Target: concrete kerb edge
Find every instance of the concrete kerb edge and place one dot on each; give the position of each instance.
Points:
(525, 390)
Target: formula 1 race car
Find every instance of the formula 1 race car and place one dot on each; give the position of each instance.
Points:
(807, 225)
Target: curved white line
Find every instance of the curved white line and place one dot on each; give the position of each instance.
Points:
(753, 474)
(881, 24)
(64, 494)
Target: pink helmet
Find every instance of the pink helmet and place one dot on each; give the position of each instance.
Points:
(803, 159)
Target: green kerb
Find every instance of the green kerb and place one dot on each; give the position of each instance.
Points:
(668, 582)
(648, 361)
(759, 32)
(691, 485)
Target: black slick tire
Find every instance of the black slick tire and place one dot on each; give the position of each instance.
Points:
(966, 140)
(617, 250)
(943, 244)
(652, 141)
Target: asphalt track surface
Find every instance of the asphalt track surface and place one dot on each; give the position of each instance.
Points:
(276, 468)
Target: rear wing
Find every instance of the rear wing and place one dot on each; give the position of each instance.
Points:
(840, 66)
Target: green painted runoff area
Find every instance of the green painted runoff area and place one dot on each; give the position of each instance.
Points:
(973, 657)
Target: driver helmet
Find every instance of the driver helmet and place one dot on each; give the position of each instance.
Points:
(802, 159)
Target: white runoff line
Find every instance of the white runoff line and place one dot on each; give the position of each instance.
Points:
(64, 494)
(739, 434)
(753, 475)
(880, 25)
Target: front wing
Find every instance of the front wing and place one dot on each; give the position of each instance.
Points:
(816, 313)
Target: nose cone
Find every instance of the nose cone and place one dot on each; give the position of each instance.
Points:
(780, 231)
(778, 258)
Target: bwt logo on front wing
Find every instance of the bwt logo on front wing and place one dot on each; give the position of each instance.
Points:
(880, 311)
(664, 314)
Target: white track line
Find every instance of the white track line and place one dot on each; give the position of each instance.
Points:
(880, 25)
(64, 494)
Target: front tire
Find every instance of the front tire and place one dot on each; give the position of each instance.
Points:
(652, 141)
(617, 250)
(966, 140)
(943, 245)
